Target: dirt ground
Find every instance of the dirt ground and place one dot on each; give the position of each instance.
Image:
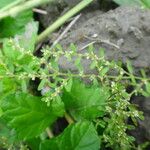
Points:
(123, 32)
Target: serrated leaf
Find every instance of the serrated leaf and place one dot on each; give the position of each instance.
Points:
(18, 57)
(11, 26)
(85, 102)
(79, 136)
(28, 114)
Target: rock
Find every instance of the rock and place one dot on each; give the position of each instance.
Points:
(59, 7)
(125, 27)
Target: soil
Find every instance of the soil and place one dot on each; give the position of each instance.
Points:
(124, 33)
(127, 28)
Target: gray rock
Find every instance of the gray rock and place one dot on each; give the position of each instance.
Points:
(58, 8)
(126, 27)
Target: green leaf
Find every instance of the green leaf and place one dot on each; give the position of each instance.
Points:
(4, 3)
(42, 84)
(85, 102)
(131, 71)
(146, 3)
(93, 64)
(69, 85)
(34, 143)
(11, 26)
(28, 114)
(9, 51)
(18, 59)
(104, 71)
(147, 85)
(129, 2)
(7, 85)
(28, 38)
(79, 136)
(73, 47)
(24, 86)
(6, 133)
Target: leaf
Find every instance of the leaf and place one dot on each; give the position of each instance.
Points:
(4, 3)
(11, 26)
(28, 38)
(73, 47)
(6, 133)
(131, 71)
(128, 2)
(85, 102)
(69, 85)
(42, 84)
(33, 143)
(24, 86)
(104, 71)
(79, 136)
(146, 3)
(93, 64)
(147, 85)
(19, 57)
(28, 114)
(7, 85)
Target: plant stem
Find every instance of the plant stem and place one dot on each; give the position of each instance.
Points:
(25, 6)
(68, 118)
(49, 133)
(63, 19)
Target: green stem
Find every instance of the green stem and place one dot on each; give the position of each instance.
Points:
(68, 118)
(12, 4)
(49, 133)
(25, 6)
(63, 19)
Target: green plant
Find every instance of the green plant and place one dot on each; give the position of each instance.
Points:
(97, 113)
(99, 110)
(142, 3)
